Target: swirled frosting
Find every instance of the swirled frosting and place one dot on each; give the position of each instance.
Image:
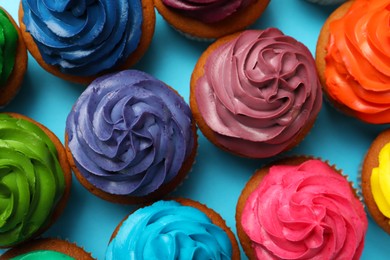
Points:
(84, 37)
(380, 181)
(129, 133)
(358, 60)
(209, 11)
(258, 92)
(43, 255)
(31, 183)
(311, 213)
(169, 230)
(8, 44)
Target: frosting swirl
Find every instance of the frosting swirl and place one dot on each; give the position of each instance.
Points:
(169, 230)
(32, 181)
(358, 60)
(43, 255)
(129, 133)
(258, 92)
(380, 181)
(84, 37)
(209, 11)
(312, 213)
(8, 44)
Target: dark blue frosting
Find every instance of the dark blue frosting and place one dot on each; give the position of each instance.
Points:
(84, 37)
(129, 133)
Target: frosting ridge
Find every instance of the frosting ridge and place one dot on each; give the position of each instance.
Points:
(129, 133)
(358, 60)
(312, 213)
(169, 230)
(8, 44)
(84, 37)
(380, 181)
(32, 179)
(258, 92)
(209, 11)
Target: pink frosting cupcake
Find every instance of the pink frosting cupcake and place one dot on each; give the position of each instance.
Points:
(300, 208)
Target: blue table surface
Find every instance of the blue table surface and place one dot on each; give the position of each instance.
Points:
(217, 177)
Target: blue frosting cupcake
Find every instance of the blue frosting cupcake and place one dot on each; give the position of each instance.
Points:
(182, 229)
(80, 39)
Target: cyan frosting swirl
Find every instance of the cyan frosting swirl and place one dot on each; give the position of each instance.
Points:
(306, 211)
(129, 133)
(258, 92)
(84, 37)
(32, 181)
(209, 11)
(169, 230)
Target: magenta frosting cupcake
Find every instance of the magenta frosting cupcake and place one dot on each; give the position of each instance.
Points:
(256, 93)
(300, 208)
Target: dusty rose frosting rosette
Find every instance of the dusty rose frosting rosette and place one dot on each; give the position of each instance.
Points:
(259, 93)
(304, 211)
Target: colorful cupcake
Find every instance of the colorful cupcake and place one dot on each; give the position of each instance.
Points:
(47, 248)
(312, 212)
(376, 180)
(181, 229)
(210, 19)
(130, 138)
(13, 58)
(255, 93)
(353, 60)
(35, 179)
(79, 40)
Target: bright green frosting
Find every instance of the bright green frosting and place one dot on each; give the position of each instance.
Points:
(31, 179)
(8, 44)
(43, 255)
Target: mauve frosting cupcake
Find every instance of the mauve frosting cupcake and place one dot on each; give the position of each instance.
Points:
(256, 93)
(130, 137)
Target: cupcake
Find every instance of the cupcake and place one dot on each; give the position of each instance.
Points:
(255, 93)
(35, 179)
(312, 212)
(210, 19)
(375, 181)
(13, 58)
(46, 248)
(352, 58)
(181, 229)
(130, 138)
(80, 40)
(327, 2)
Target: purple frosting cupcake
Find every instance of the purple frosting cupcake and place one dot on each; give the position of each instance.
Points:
(130, 138)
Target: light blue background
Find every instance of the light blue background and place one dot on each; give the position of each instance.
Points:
(217, 178)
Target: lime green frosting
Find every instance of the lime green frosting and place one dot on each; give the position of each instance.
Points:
(8, 44)
(31, 179)
(43, 255)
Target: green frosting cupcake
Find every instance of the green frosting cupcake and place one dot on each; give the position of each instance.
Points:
(43, 255)
(8, 44)
(31, 179)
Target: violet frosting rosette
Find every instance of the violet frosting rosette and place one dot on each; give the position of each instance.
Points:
(84, 37)
(258, 93)
(209, 11)
(129, 133)
(306, 211)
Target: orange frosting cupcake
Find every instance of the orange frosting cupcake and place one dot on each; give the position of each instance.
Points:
(353, 58)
